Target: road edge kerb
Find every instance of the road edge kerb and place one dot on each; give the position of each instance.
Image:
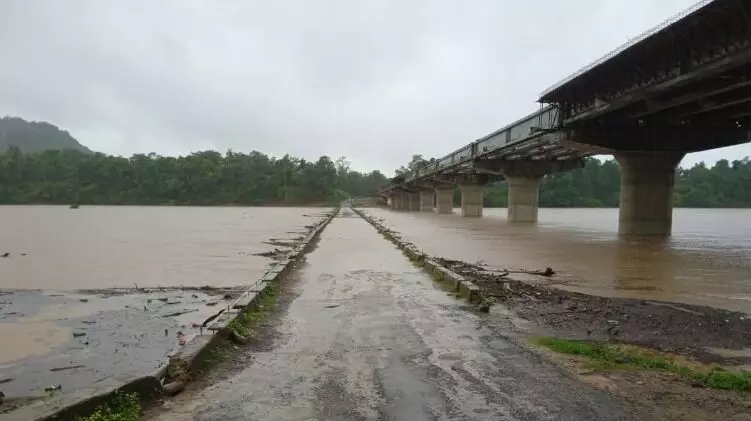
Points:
(458, 283)
(191, 356)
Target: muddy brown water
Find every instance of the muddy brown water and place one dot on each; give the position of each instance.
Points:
(108, 246)
(707, 260)
(54, 251)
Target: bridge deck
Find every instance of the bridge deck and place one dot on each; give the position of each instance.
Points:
(531, 136)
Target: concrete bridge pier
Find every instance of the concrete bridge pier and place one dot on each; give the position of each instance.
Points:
(471, 199)
(426, 200)
(444, 199)
(646, 202)
(523, 198)
(523, 178)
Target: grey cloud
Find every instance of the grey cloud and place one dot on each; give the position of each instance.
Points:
(375, 81)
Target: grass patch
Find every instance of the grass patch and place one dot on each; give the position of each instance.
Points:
(216, 355)
(613, 356)
(243, 324)
(248, 320)
(124, 407)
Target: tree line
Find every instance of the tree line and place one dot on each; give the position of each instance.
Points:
(726, 184)
(201, 178)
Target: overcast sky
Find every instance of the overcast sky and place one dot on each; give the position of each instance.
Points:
(375, 81)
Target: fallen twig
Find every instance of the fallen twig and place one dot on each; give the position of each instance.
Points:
(66, 368)
(180, 313)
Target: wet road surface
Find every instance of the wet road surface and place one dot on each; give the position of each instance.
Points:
(370, 337)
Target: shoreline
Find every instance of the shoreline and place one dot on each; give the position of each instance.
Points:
(666, 326)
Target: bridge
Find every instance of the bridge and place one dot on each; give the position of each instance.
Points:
(683, 86)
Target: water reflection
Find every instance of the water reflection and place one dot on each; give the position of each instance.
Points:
(707, 260)
(643, 266)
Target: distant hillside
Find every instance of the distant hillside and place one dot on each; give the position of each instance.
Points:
(34, 136)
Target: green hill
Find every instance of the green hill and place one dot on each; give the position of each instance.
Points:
(35, 136)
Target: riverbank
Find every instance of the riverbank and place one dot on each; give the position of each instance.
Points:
(706, 337)
(81, 345)
(679, 328)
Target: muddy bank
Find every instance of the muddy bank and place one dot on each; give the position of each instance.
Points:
(678, 328)
(64, 344)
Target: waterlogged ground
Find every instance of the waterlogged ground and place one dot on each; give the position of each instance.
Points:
(59, 333)
(368, 336)
(56, 339)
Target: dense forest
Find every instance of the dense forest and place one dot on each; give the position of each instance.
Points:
(726, 184)
(202, 178)
(44, 164)
(35, 136)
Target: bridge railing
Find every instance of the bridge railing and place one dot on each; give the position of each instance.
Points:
(514, 133)
(628, 44)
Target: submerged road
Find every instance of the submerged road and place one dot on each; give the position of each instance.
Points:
(371, 337)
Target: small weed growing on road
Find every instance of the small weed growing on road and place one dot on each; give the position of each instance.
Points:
(246, 321)
(216, 355)
(124, 407)
(612, 356)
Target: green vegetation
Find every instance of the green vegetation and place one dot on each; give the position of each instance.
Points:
(246, 321)
(612, 356)
(243, 325)
(216, 355)
(201, 178)
(598, 185)
(124, 407)
(33, 136)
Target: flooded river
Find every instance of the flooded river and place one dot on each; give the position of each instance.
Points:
(707, 260)
(53, 247)
(58, 336)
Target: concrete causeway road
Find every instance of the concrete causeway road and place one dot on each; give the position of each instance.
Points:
(368, 336)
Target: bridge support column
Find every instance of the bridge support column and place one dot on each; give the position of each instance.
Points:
(523, 198)
(471, 199)
(413, 201)
(426, 200)
(646, 202)
(444, 199)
